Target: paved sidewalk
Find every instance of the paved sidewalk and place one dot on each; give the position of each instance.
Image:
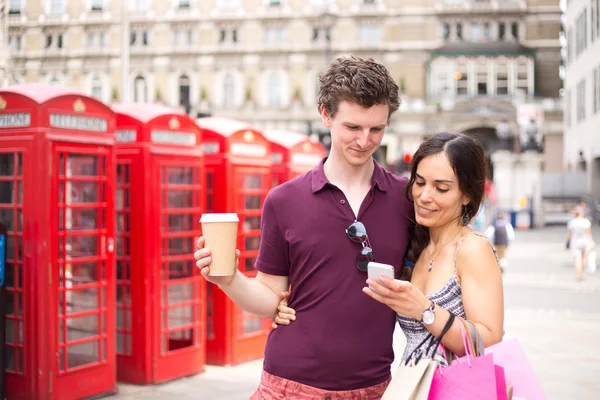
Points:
(556, 319)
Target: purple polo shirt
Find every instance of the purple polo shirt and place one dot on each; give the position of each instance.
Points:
(341, 339)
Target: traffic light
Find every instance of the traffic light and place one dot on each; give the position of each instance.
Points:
(407, 157)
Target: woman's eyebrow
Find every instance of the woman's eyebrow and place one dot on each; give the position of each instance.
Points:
(436, 180)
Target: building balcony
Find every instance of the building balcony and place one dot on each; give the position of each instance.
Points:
(479, 6)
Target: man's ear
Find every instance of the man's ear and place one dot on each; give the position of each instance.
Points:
(325, 116)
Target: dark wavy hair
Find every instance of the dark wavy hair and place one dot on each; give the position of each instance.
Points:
(469, 163)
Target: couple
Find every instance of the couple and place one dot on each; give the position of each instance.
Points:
(321, 229)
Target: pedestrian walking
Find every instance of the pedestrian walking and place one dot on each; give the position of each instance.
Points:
(501, 233)
(579, 239)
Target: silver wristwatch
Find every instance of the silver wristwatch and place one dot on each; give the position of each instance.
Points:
(428, 316)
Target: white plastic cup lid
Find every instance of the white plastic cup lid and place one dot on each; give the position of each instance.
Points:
(219, 217)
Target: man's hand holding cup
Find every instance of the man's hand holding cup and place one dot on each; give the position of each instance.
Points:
(218, 261)
(203, 260)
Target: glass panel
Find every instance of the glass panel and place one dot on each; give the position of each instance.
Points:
(180, 293)
(20, 353)
(19, 304)
(122, 222)
(9, 358)
(20, 332)
(61, 165)
(122, 270)
(180, 316)
(178, 222)
(61, 331)
(82, 300)
(120, 344)
(61, 303)
(84, 273)
(9, 331)
(249, 264)
(19, 192)
(6, 192)
(122, 199)
(209, 203)
(104, 350)
(181, 339)
(82, 165)
(252, 242)
(7, 216)
(82, 192)
(252, 181)
(7, 164)
(123, 294)
(82, 327)
(181, 245)
(251, 223)
(179, 199)
(10, 248)
(9, 306)
(62, 359)
(209, 180)
(82, 354)
(128, 342)
(179, 175)
(180, 269)
(82, 246)
(252, 203)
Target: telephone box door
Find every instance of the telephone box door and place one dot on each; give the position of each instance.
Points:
(82, 273)
(180, 312)
(250, 190)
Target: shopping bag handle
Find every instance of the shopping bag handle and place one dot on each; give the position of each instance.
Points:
(434, 342)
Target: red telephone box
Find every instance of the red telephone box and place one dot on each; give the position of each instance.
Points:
(292, 154)
(238, 177)
(161, 310)
(57, 198)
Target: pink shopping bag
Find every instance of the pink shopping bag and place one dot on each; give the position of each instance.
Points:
(469, 378)
(518, 372)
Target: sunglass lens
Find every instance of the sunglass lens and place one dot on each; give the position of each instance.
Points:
(357, 232)
(364, 258)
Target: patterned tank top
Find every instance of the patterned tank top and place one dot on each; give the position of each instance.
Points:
(448, 297)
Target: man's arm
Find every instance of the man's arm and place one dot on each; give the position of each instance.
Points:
(260, 295)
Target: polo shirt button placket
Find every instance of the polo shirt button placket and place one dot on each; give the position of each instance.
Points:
(342, 201)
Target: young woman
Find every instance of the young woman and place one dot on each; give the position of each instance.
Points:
(580, 236)
(449, 267)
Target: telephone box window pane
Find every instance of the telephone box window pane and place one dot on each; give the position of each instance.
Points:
(9, 358)
(19, 192)
(6, 193)
(82, 300)
(120, 344)
(9, 306)
(84, 273)
(180, 316)
(82, 219)
(123, 318)
(82, 354)
(181, 339)
(252, 203)
(7, 216)
(252, 243)
(209, 180)
(210, 203)
(82, 192)
(251, 223)
(179, 175)
(82, 246)
(7, 164)
(249, 264)
(9, 331)
(82, 327)
(252, 181)
(122, 270)
(82, 165)
(180, 293)
(180, 199)
(122, 223)
(179, 246)
(180, 269)
(178, 222)
(122, 199)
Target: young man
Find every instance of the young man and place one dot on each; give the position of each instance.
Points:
(501, 233)
(312, 239)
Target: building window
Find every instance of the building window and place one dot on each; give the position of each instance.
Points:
(15, 42)
(96, 40)
(459, 33)
(97, 5)
(182, 37)
(581, 33)
(568, 108)
(140, 90)
(184, 4)
(442, 72)
(321, 33)
(274, 82)
(594, 18)
(487, 32)
(369, 34)
(140, 5)
(597, 90)
(581, 101)
(223, 33)
(57, 7)
(139, 37)
(501, 77)
(228, 91)
(482, 76)
(446, 31)
(14, 7)
(522, 77)
(501, 31)
(462, 78)
(274, 35)
(184, 92)
(228, 4)
(476, 33)
(274, 2)
(515, 30)
(569, 45)
(97, 88)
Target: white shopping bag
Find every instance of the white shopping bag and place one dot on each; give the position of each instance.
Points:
(590, 262)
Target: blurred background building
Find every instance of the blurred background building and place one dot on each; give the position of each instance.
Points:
(582, 91)
(486, 67)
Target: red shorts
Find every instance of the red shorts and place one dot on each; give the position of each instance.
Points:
(276, 388)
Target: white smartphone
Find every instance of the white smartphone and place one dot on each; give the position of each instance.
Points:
(375, 270)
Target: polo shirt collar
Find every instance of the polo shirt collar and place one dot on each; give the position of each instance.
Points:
(319, 180)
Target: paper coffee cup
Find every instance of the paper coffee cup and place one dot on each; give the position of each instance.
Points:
(220, 236)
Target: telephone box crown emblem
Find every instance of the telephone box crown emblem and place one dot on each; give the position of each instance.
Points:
(248, 136)
(2, 103)
(174, 123)
(79, 106)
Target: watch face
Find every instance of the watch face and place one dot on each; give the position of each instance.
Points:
(428, 317)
